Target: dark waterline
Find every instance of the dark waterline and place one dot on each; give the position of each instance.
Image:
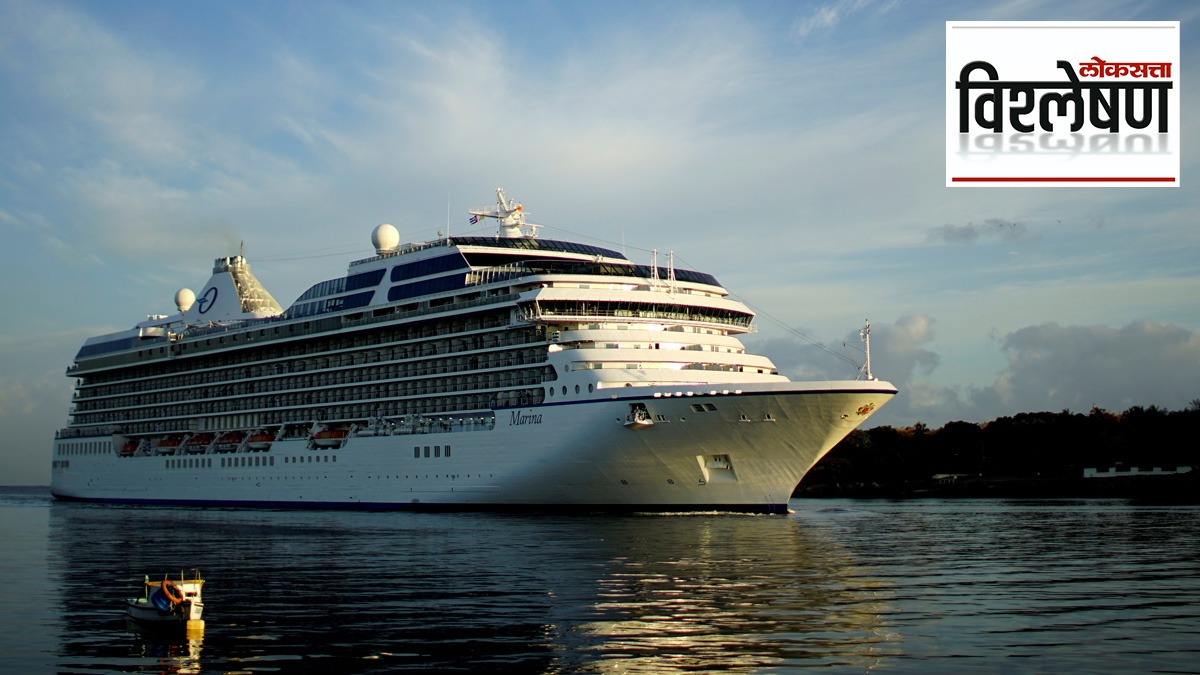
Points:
(914, 586)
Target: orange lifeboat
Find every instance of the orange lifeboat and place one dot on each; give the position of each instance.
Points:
(330, 438)
(129, 448)
(260, 440)
(168, 445)
(198, 443)
(229, 441)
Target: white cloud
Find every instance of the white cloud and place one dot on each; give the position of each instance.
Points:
(899, 352)
(1053, 367)
(14, 400)
(828, 16)
(1049, 367)
(134, 101)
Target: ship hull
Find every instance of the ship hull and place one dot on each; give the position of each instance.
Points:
(741, 450)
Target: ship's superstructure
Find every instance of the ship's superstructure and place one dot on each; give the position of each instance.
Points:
(503, 371)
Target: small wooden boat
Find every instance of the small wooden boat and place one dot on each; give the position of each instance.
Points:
(169, 603)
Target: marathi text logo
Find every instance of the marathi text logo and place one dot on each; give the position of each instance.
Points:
(1066, 99)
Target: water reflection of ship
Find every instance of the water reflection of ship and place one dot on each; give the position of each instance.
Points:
(490, 591)
(725, 602)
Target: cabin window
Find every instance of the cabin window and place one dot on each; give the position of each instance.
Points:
(416, 452)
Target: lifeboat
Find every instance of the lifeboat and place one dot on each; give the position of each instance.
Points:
(260, 440)
(168, 445)
(229, 442)
(198, 443)
(330, 438)
(129, 448)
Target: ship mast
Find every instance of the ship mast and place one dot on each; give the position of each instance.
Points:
(865, 335)
(510, 215)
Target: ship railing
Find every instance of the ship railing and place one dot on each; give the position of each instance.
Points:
(462, 304)
(498, 273)
(85, 432)
(213, 329)
(209, 331)
(225, 400)
(430, 425)
(402, 250)
(551, 315)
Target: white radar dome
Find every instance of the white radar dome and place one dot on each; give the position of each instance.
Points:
(184, 298)
(385, 238)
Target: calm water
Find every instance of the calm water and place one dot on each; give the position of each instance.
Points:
(918, 586)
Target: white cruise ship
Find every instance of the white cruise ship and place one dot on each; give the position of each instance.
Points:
(498, 372)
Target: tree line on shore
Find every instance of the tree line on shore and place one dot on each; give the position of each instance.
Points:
(1045, 449)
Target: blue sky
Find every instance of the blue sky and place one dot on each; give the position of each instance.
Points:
(793, 149)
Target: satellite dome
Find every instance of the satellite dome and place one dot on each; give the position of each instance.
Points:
(184, 298)
(385, 238)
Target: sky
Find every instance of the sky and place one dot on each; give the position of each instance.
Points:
(796, 150)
